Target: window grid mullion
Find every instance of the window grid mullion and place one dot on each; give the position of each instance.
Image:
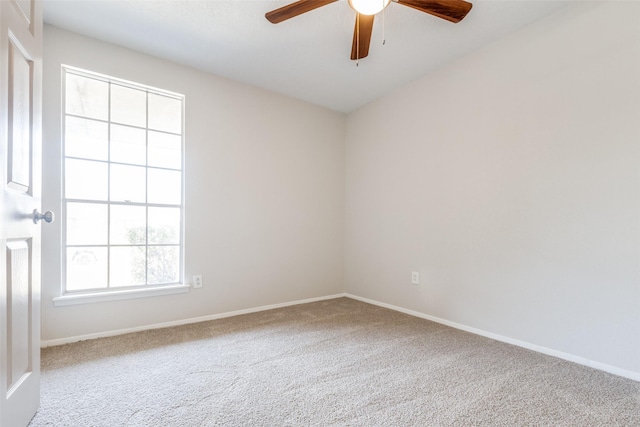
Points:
(93, 119)
(146, 194)
(123, 163)
(109, 189)
(117, 203)
(112, 203)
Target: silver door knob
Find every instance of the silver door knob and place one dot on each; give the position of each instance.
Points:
(48, 216)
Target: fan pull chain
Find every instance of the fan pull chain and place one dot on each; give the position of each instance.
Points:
(384, 39)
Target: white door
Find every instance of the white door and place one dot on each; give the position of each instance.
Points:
(20, 165)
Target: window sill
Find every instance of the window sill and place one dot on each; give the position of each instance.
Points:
(73, 299)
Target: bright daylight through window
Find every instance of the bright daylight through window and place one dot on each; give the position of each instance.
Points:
(123, 201)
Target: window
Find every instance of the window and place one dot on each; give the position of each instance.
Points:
(122, 185)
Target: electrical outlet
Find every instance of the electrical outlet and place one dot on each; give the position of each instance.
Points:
(197, 281)
(415, 277)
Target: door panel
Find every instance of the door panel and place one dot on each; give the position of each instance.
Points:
(20, 166)
(19, 138)
(26, 7)
(19, 313)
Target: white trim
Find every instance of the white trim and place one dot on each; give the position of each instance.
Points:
(544, 350)
(122, 82)
(61, 341)
(87, 294)
(537, 348)
(85, 298)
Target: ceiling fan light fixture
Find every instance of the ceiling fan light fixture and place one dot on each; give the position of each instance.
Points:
(368, 7)
(450, 10)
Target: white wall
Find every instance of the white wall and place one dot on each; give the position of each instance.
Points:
(264, 193)
(510, 180)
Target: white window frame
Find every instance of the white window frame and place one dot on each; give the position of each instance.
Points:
(117, 293)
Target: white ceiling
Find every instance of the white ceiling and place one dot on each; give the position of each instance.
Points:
(306, 57)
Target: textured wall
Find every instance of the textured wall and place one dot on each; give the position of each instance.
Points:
(509, 180)
(264, 193)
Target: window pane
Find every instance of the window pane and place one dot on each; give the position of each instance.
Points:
(128, 145)
(165, 150)
(127, 267)
(86, 224)
(86, 268)
(163, 264)
(164, 225)
(165, 113)
(128, 106)
(165, 187)
(128, 225)
(123, 183)
(86, 138)
(87, 97)
(85, 179)
(127, 183)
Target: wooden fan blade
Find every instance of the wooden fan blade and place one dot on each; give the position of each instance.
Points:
(361, 36)
(295, 9)
(451, 10)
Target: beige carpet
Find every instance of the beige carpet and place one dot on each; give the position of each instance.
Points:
(338, 362)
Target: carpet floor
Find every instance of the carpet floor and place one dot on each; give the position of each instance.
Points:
(338, 362)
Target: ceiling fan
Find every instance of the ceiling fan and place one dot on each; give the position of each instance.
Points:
(451, 10)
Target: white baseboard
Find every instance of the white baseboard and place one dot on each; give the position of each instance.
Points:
(544, 350)
(68, 340)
